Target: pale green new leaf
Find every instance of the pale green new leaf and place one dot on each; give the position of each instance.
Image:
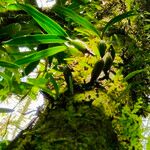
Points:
(41, 82)
(49, 25)
(35, 39)
(12, 7)
(128, 4)
(41, 54)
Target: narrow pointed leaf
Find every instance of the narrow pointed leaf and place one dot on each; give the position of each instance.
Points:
(31, 67)
(6, 110)
(52, 80)
(132, 74)
(41, 54)
(76, 18)
(12, 7)
(7, 79)
(35, 39)
(48, 91)
(10, 30)
(39, 82)
(8, 65)
(118, 19)
(49, 25)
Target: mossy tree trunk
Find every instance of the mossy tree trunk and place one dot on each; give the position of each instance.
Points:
(80, 125)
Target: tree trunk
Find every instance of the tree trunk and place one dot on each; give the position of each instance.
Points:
(77, 126)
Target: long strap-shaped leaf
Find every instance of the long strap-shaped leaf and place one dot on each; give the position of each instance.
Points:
(117, 19)
(76, 18)
(8, 65)
(35, 39)
(49, 25)
(41, 54)
(134, 73)
(6, 110)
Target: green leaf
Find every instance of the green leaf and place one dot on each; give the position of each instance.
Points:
(41, 54)
(132, 74)
(12, 7)
(129, 4)
(31, 67)
(39, 82)
(49, 25)
(52, 80)
(148, 142)
(147, 27)
(49, 92)
(35, 39)
(8, 65)
(10, 30)
(76, 18)
(7, 83)
(6, 110)
(118, 19)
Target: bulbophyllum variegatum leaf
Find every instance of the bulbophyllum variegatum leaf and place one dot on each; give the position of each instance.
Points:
(41, 54)
(30, 67)
(8, 65)
(49, 25)
(10, 30)
(134, 73)
(118, 19)
(35, 39)
(7, 82)
(76, 18)
(40, 83)
(6, 110)
(56, 87)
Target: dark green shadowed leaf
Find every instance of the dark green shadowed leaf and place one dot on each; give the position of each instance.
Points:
(117, 19)
(36, 39)
(48, 92)
(132, 74)
(31, 67)
(1, 86)
(41, 54)
(8, 65)
(49, 25)
(10, 30)
(76, 18)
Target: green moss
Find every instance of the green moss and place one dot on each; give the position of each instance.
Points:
(83, 128)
